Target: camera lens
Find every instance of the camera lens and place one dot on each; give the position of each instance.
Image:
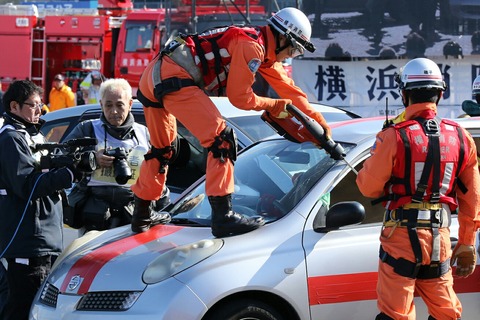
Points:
(87, 162)
(122, 171)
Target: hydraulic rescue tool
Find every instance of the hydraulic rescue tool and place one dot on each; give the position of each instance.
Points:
(301, 128)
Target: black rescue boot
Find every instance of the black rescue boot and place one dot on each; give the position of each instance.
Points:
(143, 217)
(163, 202)
(226, 223)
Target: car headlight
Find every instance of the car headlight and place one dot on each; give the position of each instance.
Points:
(179, 259)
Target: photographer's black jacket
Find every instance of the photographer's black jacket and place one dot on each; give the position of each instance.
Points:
(31, 207)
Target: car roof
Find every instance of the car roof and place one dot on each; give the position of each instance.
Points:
(79, 110)
(468, 122)
(358, 130)
(227, 109)
(222, 103)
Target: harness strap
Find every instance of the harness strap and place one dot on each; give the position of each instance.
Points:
(166, 86)
(218, 63)
(436, 217)
(435, 196)
(156, 78)
(200, 54)
(413, 236)
(461, 157)
(228, 134)
(147, 102)
(435, 257)
(171, 85)
(408, 159)
(433, 155)
(163, 155)
(407, 268)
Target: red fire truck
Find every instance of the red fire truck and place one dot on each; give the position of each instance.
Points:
(114, 38)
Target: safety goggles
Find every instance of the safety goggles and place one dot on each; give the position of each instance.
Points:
(296, 49)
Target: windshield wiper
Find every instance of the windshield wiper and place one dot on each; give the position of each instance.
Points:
(191, 222)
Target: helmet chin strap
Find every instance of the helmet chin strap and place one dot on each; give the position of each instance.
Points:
(439, 97)
(281, 48)
(405, 98)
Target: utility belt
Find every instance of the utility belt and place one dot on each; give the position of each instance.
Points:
(414, 270)
(428, 215)
(413, 216)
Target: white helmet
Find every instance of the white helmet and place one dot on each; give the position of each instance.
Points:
(295, 25)
(476, 86)
(420, 73)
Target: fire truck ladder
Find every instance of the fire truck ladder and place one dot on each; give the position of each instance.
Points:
(38, 56)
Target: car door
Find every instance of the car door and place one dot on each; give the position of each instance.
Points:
(341, 264)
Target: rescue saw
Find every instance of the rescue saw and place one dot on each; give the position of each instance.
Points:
(301, 128)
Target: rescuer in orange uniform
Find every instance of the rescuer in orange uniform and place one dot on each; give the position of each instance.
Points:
(61, 96)
(422, 168)
(219, 61)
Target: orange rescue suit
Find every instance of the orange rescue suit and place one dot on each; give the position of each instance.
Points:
(242, 56)
(395, 293)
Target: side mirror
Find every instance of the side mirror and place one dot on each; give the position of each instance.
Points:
(339, 215)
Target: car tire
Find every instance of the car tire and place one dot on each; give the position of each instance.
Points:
(245, 309)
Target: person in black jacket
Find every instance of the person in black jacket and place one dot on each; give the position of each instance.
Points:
(31, 215)
(1, 103)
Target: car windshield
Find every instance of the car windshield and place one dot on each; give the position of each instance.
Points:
(253, 126)
(270, 179)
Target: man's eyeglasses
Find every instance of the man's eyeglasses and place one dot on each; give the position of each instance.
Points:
(34, 105)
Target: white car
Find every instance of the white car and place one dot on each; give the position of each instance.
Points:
(316, 257)
(191, 161)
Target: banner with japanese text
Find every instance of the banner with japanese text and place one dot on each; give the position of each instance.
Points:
(365, 86)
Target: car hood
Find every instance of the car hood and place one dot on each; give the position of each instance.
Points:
(101, 260)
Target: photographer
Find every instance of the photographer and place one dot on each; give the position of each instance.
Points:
(31, 217)
(121, 145)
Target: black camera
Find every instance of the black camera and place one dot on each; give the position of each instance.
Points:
(121, 169)
(70, 153)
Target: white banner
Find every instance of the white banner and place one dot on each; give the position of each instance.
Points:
(363, 87)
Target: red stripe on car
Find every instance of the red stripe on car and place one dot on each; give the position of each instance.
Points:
(362, 286)
(356, 120)
(88, 266)
(342, 288)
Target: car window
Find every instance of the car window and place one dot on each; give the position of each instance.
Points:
(347, 190)
(54, 131)
(253, 126)
(269, 180)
